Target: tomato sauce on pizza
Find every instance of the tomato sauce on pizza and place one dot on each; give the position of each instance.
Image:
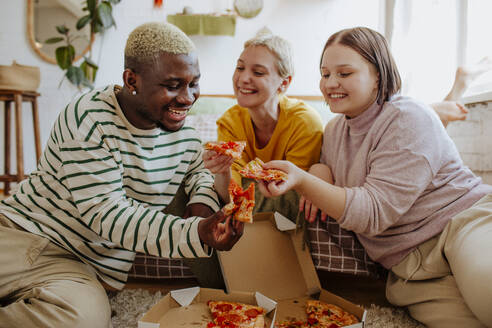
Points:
(235, 315)
(232, 149)
(254, 170)
(241, 202)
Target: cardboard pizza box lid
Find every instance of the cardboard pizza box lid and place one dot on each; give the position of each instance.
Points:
(270, 261)
(188, 307)
(270, 258)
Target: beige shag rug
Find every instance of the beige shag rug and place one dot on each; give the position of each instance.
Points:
(130, 304)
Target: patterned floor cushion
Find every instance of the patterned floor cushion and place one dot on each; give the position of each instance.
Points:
(152, 267)
(335, 249)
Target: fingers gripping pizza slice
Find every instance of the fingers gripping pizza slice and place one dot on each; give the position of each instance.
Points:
(235, 315)
(254, 170)
(232, 149)
(242, 202)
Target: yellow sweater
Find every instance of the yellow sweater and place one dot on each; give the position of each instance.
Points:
(296, 138)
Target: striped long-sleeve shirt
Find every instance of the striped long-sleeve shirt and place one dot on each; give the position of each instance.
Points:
(101, 185)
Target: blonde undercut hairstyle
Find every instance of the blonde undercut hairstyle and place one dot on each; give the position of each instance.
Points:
(149, 40)
(278, 46)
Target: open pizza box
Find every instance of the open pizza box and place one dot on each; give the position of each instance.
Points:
(188, 307)
(267, 267)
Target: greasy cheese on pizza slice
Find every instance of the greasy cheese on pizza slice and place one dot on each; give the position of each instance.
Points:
(233, 314)
(241, 202)
(254, 170)
(232, 149)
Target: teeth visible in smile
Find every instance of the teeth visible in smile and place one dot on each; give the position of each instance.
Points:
(179, 112)
(337, 95)
(246, 91)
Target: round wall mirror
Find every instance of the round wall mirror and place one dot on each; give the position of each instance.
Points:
(42, 18)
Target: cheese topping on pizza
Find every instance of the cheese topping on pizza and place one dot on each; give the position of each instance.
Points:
(242, 202)
(254, 170)
(235, 315)
(322, 315)
(232, 149)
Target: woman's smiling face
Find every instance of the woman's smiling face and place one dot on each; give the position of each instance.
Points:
(256, 80)
(349, 83)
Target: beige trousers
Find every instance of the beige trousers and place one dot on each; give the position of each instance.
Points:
(447, 281)
(43, 285)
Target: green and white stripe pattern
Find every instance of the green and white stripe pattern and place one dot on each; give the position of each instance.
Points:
(101, 185)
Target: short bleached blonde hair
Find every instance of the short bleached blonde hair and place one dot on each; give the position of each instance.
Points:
(150, 39)
(278, 46)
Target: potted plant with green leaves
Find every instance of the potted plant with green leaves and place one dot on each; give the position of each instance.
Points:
(100, 18)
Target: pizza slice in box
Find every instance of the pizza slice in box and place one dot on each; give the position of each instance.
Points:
(232, 315)
(232, 149)
(254, 170)
(242, 202)
(328, 315)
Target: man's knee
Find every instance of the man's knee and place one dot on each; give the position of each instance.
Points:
(92, 308)
(82, 304)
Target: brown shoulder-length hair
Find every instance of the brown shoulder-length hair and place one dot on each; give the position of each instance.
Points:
(373, 47)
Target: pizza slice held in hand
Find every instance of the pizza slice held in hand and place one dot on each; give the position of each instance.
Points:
(232, 149)
(235, 315)
(242, 202)
(255, 170)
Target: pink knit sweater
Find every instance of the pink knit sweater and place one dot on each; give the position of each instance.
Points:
(403, 176)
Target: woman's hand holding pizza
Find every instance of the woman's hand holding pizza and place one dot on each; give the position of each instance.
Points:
(277, 188)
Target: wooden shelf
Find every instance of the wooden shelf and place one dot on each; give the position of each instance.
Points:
(204, 24)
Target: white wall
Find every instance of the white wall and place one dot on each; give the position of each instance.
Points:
(307, 24)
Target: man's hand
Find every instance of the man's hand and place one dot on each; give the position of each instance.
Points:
(197, 209)
(220, 232)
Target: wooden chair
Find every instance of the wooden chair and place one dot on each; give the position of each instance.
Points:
(18, 97)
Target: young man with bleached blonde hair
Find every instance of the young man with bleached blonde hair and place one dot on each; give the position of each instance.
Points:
(114, 162)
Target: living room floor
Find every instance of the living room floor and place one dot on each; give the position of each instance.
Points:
(359, 290)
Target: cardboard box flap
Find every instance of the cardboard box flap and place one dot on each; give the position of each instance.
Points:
(283, 224)
(269, 261)
(265, 302)
(185, 296)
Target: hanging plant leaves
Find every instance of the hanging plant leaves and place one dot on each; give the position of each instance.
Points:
(90, 62)
(91, 6)
(54, 40)
(76, 76)
(65, 56)
(83, 22)
(104, 12)
(89, 69)
(62, 29)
